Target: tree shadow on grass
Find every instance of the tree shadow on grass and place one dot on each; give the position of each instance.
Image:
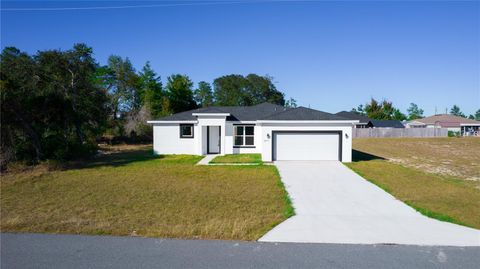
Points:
(116, 159)
(358, 156)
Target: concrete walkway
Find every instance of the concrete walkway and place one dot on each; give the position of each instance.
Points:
(335, 205)
(207, 159)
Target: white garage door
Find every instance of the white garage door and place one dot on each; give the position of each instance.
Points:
(303, 146)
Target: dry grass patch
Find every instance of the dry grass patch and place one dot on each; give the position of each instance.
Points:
(458, 157)
(238, 158)
(426, 173)
(135, 193)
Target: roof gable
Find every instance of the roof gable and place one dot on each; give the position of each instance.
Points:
(353, 116)
(263, 111)
(386, 123)
(447, 120)
(303, 113)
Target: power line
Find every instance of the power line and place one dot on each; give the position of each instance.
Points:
(136, 6)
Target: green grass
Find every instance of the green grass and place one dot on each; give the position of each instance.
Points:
(238, 158)
(437, 196)
(134, 192)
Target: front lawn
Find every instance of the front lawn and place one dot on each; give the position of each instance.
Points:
(436, 195)
(135, 193)
(238, 158)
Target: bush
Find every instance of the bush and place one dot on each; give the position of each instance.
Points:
(453, 134)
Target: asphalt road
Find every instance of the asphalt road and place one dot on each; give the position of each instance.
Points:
(77, 251)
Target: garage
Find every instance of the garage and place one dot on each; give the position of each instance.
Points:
(306, 145)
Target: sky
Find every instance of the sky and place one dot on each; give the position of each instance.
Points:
(328, 55)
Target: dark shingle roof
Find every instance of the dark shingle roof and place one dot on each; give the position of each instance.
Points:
(353, 116)
(264, 111)
(303, 113)
(237, 113)
(386, 123)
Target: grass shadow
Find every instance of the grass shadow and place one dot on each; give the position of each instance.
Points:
(116, 159)
(358, 156)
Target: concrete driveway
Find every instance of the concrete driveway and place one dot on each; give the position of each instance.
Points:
(335, 205)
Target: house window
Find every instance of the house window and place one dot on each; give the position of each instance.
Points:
(244, 135)
(186, 130)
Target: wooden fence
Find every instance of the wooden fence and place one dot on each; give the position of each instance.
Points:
(400, 132)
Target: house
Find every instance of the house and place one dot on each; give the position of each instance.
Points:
(414, 124)
(362, 120)
(385, 124)
(275, 132)
(453, 123)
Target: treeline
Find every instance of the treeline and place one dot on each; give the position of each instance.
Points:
(384, 110)
(58, 104)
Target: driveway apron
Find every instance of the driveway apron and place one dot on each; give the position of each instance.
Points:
(335, 205)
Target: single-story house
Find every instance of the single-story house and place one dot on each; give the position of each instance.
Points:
(385, 124)
(277, 133)
(414, 124)
(452, 123)
(362, 120)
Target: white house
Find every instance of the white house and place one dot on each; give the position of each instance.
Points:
(276, 132)
(466, 127)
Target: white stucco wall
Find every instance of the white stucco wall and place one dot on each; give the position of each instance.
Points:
(166, 140)
(230, 149)
(167, 137)
(267, 129)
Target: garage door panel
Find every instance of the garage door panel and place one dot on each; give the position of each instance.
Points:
(306, 146)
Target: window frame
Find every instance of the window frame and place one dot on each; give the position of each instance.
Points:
(244, 135)
(186, 136)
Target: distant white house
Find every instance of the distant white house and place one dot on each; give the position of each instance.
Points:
(277, 133)
(414, 124)
(466, 127)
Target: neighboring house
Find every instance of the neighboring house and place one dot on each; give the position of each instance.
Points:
(275, 132)
(414, 124)
(362, 120)
(385, 124)
(452, 123)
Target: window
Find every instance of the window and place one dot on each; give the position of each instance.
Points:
(186, 130)
(243, 135)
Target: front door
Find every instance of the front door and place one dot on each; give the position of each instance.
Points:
(213, 133)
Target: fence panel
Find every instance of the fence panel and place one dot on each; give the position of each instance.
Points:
(400, 132)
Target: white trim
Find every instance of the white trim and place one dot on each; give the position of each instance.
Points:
(236, 122)
(310, 121)
(211, 114)
(469, 124)
(171, 121)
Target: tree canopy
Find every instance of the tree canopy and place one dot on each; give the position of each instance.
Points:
(237, 90)
(414, 112)
(455, 111)
(51, 105)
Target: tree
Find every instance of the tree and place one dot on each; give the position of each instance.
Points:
(414, 112)
(180, 94)
(229, 90)
(359, 110)
(291, 103)
(236, 90)
(477, 115)
(471, 117)
(51, 105)
(260, 89)
(380, 111)
(203, 94)
(151, 92)
(398, 115)
(455, 111)
(121, 81)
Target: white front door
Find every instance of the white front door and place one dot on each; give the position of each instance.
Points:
(213, 139)
(303, 146)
